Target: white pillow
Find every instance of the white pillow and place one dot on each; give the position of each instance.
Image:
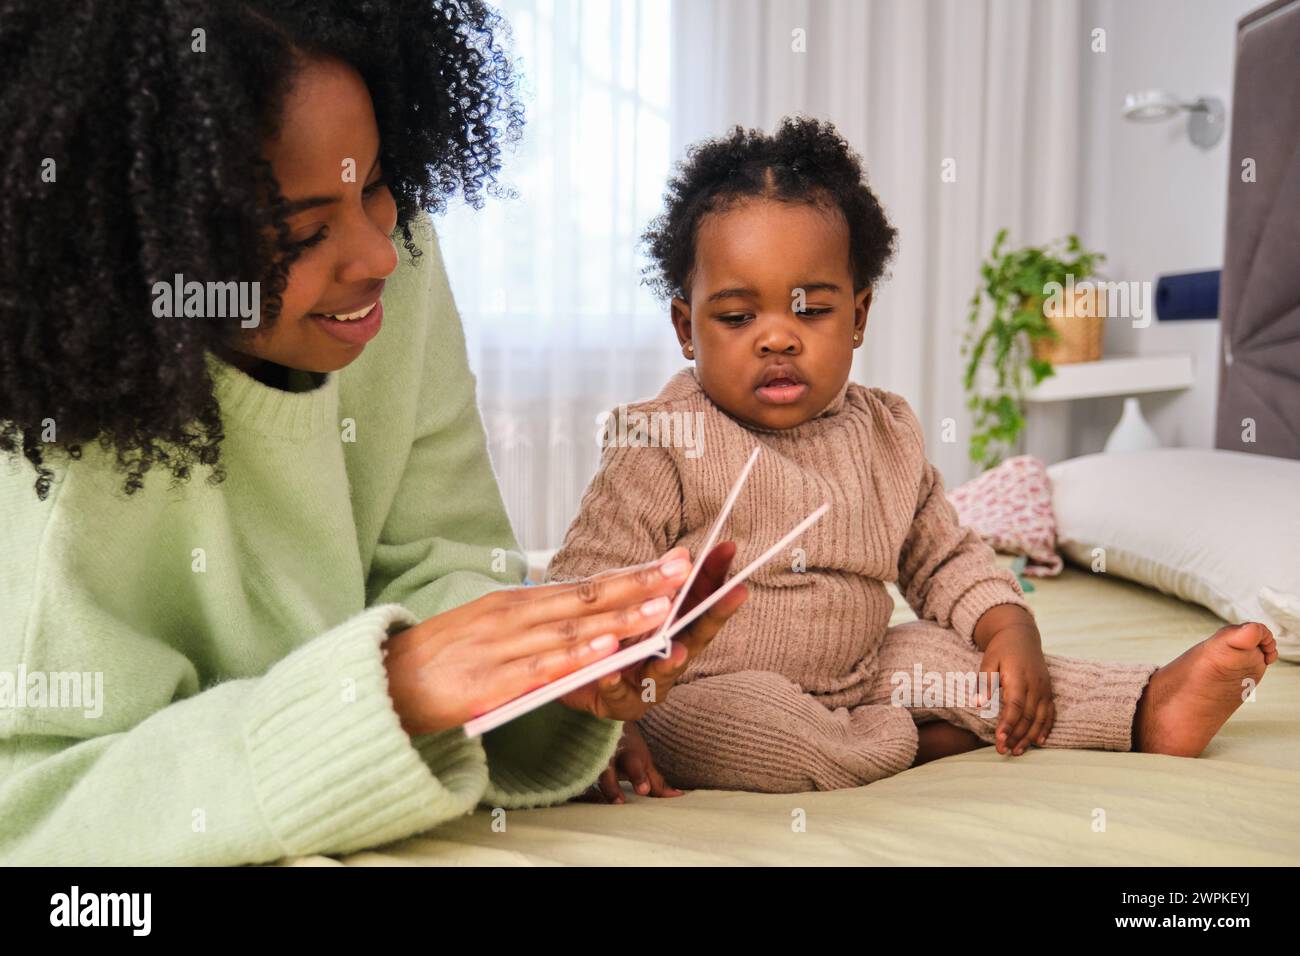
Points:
(1217, 528)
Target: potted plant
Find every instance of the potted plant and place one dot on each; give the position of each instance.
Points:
(1020, 335)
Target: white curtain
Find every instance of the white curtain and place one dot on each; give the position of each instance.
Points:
(548, 284)
(991, 85)
(558, 323)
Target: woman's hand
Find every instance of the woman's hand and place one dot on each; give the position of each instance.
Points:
(628, 694)
(632, 762)
(466, 661)
(1026, 710)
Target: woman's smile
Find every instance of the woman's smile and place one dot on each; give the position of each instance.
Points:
(356, 331)
(355, 322)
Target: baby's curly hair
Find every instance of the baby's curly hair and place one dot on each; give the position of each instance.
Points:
(804, 161)
(133, 152)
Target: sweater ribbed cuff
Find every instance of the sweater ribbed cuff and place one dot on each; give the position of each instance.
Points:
(977, 599)
(333, 769)
(547, 756)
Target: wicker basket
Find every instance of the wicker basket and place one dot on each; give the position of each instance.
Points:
(1080, 325)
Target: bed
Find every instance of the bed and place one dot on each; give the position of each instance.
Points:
(1234, 805)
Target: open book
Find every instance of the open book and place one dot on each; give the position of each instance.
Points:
(660, 642)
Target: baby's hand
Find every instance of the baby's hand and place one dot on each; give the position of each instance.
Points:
(1026, 710)
(632, 762)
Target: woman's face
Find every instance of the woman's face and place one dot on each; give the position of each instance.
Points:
(327, 162)
(757, 354)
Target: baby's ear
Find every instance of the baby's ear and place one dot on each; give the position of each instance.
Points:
(679, 312)
(861, 306)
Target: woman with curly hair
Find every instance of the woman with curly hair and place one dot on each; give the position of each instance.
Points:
(256, 570)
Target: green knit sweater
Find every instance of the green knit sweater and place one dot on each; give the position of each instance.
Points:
(237, 631)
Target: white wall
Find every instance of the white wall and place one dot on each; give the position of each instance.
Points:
(1152, 201)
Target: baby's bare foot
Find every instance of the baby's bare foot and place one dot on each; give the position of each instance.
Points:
(1190, 698)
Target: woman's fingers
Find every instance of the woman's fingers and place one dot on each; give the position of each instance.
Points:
(523, 674)
(539, 634)
(556, 587)
(603, 592)
(624, 622)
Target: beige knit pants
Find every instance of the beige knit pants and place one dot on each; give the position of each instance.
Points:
(756, 730)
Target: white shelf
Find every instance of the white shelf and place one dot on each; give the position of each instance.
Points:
(1126, 375)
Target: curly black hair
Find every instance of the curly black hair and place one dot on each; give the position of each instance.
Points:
(805, 161)
(134, 153)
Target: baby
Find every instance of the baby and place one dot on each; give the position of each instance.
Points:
(769, 249)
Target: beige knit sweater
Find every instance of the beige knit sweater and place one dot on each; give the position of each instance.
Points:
(816, 616)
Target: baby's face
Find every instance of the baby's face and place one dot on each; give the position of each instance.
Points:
(757, 356)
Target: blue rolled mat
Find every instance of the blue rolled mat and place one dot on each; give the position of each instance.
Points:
(1188, 295)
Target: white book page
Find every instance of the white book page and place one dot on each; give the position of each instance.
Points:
(661, 639)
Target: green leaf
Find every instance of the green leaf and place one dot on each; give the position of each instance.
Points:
(1041, 369)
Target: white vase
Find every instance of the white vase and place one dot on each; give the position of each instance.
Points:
(1132, 433)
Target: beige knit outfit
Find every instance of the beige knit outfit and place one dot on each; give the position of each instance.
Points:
(794, 693)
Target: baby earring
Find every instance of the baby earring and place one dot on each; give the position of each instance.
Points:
(857, 337)
(688, 350)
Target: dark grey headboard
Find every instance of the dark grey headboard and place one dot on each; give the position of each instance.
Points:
(1259, 299)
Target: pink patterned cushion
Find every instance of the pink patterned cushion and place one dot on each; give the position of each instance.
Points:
(1010, 507)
